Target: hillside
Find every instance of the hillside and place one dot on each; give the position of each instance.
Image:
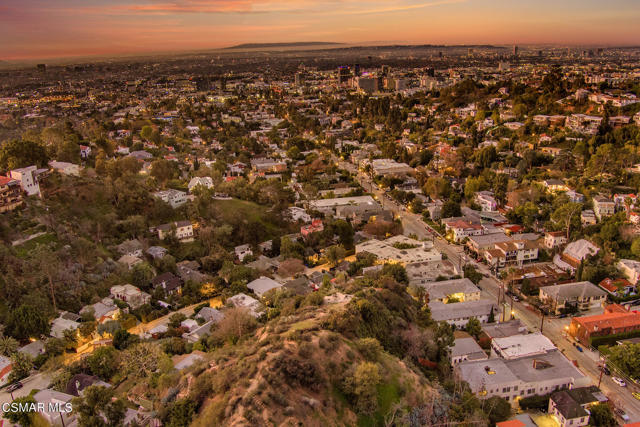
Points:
(281, 45)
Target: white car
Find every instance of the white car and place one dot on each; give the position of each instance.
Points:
(619, 381)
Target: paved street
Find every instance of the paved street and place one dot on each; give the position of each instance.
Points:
(37, 381)
(554, 328)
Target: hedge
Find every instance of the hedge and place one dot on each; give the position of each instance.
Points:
(612, 339)
(535, 402)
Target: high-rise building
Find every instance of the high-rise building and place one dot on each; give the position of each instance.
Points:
(356, 70)
(515, 51)
(299, 79)
(369, 84)
(223, 84)
(385, 70)
(344, 74)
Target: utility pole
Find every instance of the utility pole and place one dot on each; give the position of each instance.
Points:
(601, 372)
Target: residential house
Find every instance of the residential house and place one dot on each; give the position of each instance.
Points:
(315, 227)
(206, 182)
(28, 179)
(5, 369)
(570, 408)
(130, 294)
(65, 168)
(33, 349)
(511, 252)
(486, 200)
(555, 185)
(262, 285)
(183, 230)
(129, 260)
(243, 251)
(10, 194)
(555, 239)
(79, 382)
(587, 217)
(446, 291)
(574, 254)
(464, 349)
(210, 314)
(175, 198)
(458, 230)
(631, 269)
(132, 247)
(578, 295)
(458, 314)
(245, 301)
(61, 324)
(57, 407)
(603, 207)
(618, 287)
(169, 282)
(157, 252)
(102, 311)
(85, 152)
(296, 214)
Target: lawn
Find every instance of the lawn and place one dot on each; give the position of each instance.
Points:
(231, 210)
(23, 250)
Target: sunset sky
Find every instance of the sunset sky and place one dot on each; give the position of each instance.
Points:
(57, 28)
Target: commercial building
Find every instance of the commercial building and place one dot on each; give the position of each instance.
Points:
(464, 349)
(517, 346)
(400, 249)
(615, 320)
(329, 206)
(518, 378)
(28, 179)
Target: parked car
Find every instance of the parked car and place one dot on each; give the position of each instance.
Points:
(619, 381)
(606, 370)
(13, 387)
(619, 412)
(579, 348)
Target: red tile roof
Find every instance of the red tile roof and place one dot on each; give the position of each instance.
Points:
(614, 320)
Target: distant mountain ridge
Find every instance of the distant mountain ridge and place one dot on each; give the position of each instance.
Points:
(270, 45)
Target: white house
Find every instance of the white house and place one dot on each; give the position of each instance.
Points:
(204, 181)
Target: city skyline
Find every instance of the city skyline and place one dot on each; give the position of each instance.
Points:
(34, 29)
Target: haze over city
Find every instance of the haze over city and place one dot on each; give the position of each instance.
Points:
(32, 29)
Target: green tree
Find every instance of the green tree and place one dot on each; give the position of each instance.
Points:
(450, 209)
(497, 409)
(601, 416)
(363, 386)
(335, 254)
(104, 362)
(473, 327)
(16, 154)
(98, 408)
(146, 132)
(181, 413)
(8, 345)
(627, 358)
(175, 319)
(21, 365)
(27, 321)
(162, 170)
(472, 274)
(20, 417)
(397, 271)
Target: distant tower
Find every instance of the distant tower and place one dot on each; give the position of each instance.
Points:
(223, 84)
(470, 51)
(356, 70)
(299, 80)
(515, 51)
(344, 74)
(440, 54)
